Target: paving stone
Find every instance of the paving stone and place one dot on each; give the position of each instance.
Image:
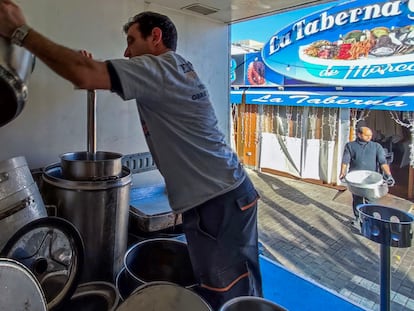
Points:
(306, 228)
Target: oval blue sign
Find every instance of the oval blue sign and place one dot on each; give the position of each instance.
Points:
(354, 43)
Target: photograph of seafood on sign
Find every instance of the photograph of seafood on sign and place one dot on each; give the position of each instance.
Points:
(368, 42)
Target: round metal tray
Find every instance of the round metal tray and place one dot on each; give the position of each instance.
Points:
(19, 288)
(52, 249)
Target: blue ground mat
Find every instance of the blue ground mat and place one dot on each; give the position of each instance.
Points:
(296, 293)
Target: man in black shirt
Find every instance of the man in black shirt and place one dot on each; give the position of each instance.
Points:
(364, 154)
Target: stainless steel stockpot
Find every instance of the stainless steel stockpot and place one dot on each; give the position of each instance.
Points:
(16, 66)
(88, 166)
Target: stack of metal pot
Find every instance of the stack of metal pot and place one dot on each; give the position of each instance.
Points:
(20, 199)
(91, 189)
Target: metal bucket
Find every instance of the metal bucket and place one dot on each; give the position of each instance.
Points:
(160, 260)
(249, 303)
(99, 210)
(20, 199)
(164, 296)
(16, 65)
(83, 165)
(368, 184)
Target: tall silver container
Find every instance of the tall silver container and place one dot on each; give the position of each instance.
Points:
(99, 210)
(20, 199)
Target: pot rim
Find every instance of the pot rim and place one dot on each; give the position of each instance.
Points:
(83, 185)
(68, 156)
(250, 298)
(99, 288)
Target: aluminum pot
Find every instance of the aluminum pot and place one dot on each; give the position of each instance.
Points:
(99, 210)
(367, 184)
(83, 165)
(16, 65)
(20, 199)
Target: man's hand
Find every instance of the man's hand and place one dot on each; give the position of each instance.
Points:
(85, 53)
(11, 17)
(389, 180)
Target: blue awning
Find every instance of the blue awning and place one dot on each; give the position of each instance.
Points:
(396, 101)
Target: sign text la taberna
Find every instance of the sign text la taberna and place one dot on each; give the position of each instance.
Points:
(347, 44)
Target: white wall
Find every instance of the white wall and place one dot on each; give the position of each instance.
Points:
(54, 118)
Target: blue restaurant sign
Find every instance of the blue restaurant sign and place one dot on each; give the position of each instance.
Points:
(348, 44)
(333, 99)
(354, 54)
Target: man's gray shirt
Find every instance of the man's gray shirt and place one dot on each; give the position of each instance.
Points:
(180, 127)
(362, 155)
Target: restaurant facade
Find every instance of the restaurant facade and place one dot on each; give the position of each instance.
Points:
(298, 100)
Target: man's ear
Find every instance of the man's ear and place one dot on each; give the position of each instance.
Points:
(156, 36)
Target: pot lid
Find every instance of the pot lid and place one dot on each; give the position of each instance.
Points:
(19, 288)
(164, 296)
(52, 249)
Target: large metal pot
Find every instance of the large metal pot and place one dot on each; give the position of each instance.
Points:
(367, 184)
(83, 165)
(99, 210)
(20, 199)
(16, 65)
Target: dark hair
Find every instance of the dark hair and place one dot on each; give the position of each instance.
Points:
(147, 21)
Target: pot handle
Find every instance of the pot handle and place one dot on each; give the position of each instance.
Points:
(17, 207)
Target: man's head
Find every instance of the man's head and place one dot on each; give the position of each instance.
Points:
(149, 33)
(364, 133)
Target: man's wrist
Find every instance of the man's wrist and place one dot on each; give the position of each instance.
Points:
(19, 34)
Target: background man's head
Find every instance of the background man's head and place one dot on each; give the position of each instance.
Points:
(364, 133)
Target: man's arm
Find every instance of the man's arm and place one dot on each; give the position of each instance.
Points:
(346, 159)
(344, 167)
(82, 71)
(386, 169)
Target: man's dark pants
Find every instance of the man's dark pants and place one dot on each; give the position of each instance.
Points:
(222, 240)
(357, 200)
